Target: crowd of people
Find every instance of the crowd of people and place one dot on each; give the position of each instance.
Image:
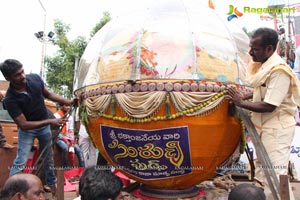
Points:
(274, 101)
(95, 184)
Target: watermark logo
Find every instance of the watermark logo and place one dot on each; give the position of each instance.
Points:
(274, 10)
(233, 13)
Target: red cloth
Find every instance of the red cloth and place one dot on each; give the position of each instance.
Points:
(69, 174)
(71, 158)
(34, 154)
(125, 179)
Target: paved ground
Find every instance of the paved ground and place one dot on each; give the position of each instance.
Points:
(211, 192)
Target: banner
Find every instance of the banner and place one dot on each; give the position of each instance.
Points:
(149, 154)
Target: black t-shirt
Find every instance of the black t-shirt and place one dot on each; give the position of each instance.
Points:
(30, 103)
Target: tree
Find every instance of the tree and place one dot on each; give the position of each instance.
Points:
(247, 32)
(60, 67)
(106, 18)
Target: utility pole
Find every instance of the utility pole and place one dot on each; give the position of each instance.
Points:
(44, 39)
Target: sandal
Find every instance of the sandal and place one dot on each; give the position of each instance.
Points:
(47, 189)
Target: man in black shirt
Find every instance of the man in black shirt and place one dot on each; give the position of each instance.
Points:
(24, 102)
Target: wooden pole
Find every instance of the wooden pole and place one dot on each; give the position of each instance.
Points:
(284, 187)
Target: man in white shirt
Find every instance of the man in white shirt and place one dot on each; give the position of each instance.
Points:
(86, 144)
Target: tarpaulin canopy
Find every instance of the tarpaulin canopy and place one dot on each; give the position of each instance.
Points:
(172, 39)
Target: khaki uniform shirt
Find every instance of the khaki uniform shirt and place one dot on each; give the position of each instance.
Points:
(276, 91)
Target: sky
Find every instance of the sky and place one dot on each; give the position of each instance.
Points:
(20, 19)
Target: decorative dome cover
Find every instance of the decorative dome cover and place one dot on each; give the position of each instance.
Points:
(152, 93)
(172, 39)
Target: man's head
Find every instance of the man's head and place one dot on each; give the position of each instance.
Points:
(263, 44)
(65, 108)
(13, 71)
(99, 184)
(22, 187)
(246, 191)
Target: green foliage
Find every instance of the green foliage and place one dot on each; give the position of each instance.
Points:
(61, 29)
(60, 67)
(83, 114)
(247, 32)
(106, 18)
